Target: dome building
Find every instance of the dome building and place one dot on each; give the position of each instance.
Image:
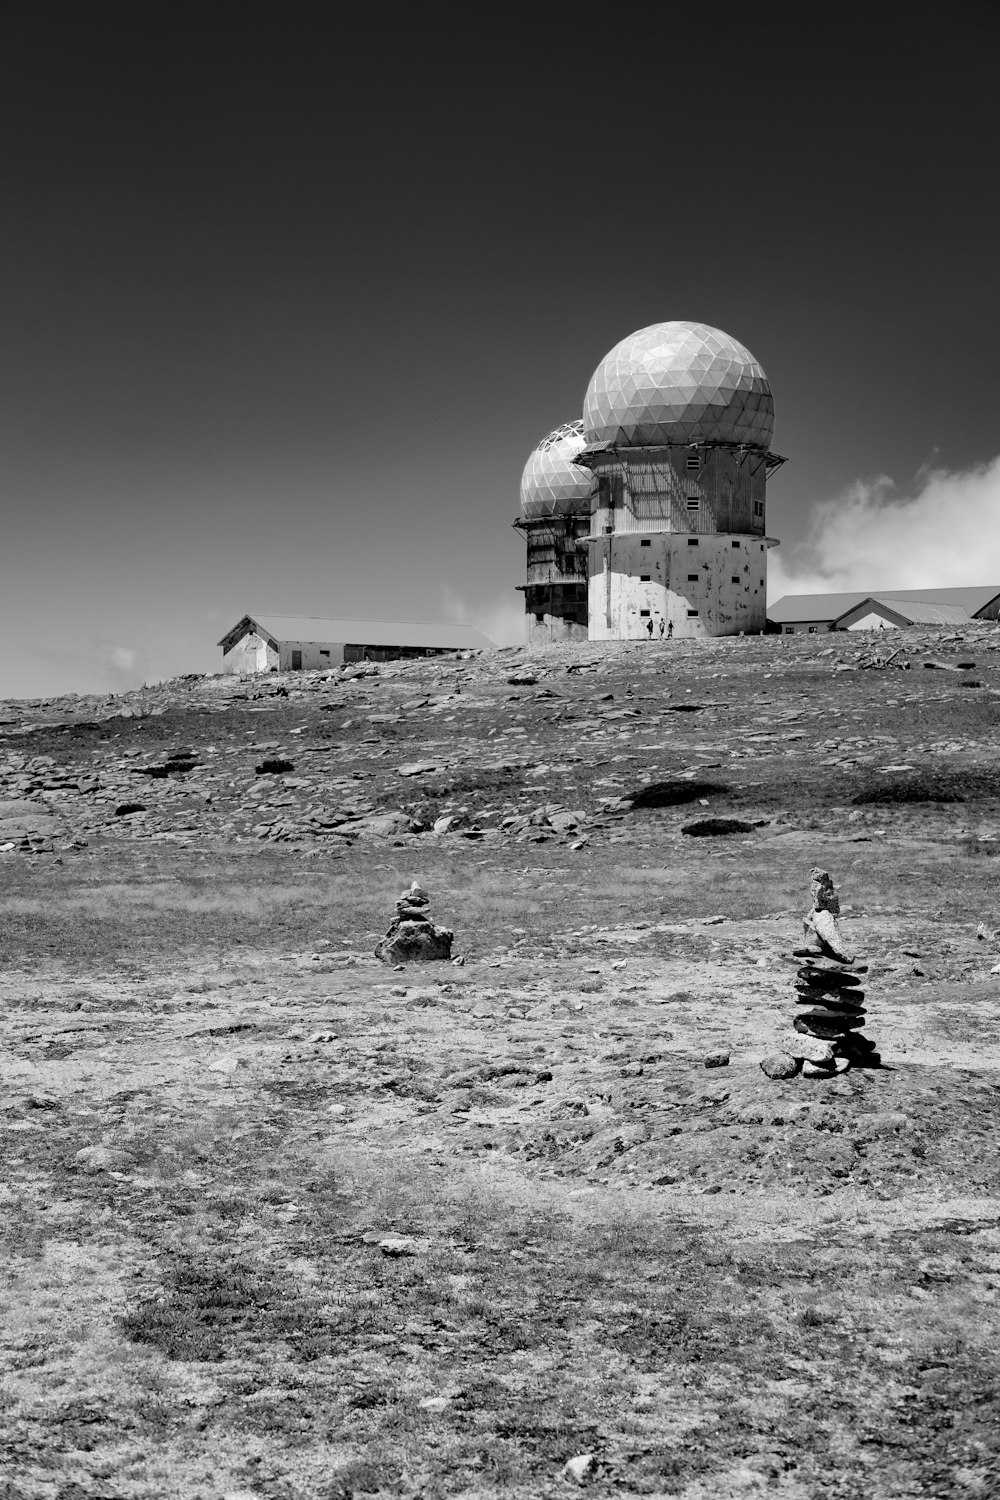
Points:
(556, 496)
(677, 425)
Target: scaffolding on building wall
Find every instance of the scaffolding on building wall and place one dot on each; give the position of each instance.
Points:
(554, 547)
(692, 487)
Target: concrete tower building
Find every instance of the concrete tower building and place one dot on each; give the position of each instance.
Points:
(556, 497)
(677, 421)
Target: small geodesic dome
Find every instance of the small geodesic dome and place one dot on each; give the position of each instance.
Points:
(678, 383)
(552, 484)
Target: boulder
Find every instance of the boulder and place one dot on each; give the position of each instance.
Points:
(830, 976)
(811, 1048)
(821, 889)
(824, 925)
(20, 818)
(579, 1468)
(779, 1065)
(823, 1022)
(94, 1159)
(412, 941)
(825, 1070)
(565, 822)
(379, 825)
(833, 1006)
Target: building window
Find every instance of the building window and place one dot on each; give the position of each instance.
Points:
(692, 578)
(693, 502)
(539, 619)
(789, 629)
(645, 577)
(758, 507)
(812, 629)
(692, 614)
(645, 542)
(644, 614)
(692, 541)
(736, 544)
(324, 653)
(694, 461)
(735, 578)
(296, 661)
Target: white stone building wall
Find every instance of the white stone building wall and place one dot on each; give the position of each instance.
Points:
(703, 585)
(252, 653)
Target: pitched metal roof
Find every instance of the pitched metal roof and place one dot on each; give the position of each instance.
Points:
(793, 608)
(919, 612)
(318, 631)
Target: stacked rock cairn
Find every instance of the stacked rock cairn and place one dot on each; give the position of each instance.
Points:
(828, 1026)
(412, 935)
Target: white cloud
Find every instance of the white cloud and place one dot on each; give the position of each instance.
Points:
(946, 533)
(121, 667)
(500, 618)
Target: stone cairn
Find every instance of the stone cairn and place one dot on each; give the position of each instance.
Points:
(412, 935)
(828, 1027)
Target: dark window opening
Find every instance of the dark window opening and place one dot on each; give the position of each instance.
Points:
(789, 630)
(644, 614)
(736, 544)
(324, 653)
(692, 613)
(645, 577)
(692, 578)
(296, 661)
(735, 578)
(693, 461)
(812, 629)
(692, 541)
(693, 502)
(645, 544)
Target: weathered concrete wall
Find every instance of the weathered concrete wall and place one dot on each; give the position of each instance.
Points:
(873, 621)
(701, 585)
(315, 656)
(252, 653)
(551, 629)
(555, 612)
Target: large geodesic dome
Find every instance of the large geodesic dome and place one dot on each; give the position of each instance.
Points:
(552, 484)
(678, 383)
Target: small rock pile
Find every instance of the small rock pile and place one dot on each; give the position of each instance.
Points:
(412, 935)
(828, 1028)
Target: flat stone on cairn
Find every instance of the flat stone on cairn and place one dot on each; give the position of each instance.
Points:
(412, 935)
(827, 1030)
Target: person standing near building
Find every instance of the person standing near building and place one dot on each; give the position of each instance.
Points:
(663, 627)
(670, 630)
(649, 627)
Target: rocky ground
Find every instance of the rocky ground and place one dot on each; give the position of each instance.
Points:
(285, 1220)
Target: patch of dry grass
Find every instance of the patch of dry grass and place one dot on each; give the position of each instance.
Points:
(268, 1331)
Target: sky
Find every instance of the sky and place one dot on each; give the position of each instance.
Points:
(287, 296)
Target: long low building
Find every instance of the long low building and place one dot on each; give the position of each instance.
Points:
(302, 643)
(870, 609)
